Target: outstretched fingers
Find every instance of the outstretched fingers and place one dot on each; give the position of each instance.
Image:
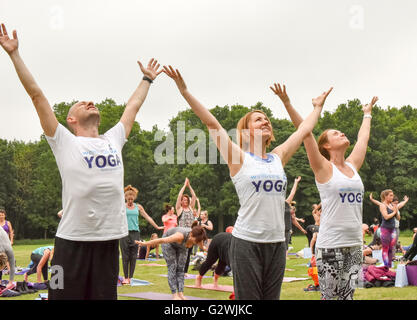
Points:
(3, 30)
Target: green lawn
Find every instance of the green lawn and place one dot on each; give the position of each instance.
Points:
(290, 291)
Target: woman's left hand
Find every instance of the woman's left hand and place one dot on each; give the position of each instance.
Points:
(367, 109)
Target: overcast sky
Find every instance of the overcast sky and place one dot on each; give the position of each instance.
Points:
(229, 52)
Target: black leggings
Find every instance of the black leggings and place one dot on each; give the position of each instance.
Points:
(411, 253)
(129, 250)
(187, 263)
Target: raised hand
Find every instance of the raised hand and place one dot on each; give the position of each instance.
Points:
(367, 109)
(176, 76)
(281, 92)
(8, 44)
(298, 179)
(152, 70)
(319, 101)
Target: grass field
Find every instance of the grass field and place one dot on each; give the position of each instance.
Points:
(290, 291)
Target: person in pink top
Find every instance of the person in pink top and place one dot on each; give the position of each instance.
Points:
(170, 219)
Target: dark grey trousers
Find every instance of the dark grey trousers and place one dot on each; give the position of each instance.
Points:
(258, 269)
(129, 250)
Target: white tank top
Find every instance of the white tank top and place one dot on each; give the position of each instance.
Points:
(341, 217)
(261, 186)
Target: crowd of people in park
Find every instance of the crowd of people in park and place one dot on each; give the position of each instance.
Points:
(100, 216)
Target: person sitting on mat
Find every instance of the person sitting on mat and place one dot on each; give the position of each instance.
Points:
(175, 243)
(218, 250)
(40, 258)
(145, 250)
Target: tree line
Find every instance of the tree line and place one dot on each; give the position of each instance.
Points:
(30, 188)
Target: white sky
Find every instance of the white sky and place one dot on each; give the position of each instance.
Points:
(229, 52)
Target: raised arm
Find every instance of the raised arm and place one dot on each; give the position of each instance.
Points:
(139, 95)
(319, 164)
(148, 218)
(46, 115)
(178, 206)
(374, 201)
(293, 190)
(230, 151)
(193, 196)
(198, 211)
(402, 203)
(358, 153)
(304, 128)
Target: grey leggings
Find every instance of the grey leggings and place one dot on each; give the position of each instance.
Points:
(176, 257)
(338, 271)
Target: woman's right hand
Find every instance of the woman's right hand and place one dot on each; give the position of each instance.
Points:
(319, 101)
(9, 45)
(176, 76)
(281, 92)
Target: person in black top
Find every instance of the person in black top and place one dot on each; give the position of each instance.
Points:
(218, 250)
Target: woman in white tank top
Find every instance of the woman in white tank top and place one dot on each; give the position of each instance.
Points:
(339, 241)
(257, 249)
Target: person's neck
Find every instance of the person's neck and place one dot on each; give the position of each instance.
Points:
(130, 204)
(258, 151)
(338, 159)
(89, 132)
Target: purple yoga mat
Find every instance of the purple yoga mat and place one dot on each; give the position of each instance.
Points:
(210, 286)
(156, 296)
(190, 276)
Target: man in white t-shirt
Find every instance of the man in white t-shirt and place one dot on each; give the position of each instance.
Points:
(91, 168)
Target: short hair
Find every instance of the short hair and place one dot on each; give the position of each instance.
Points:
(2, 210)
(323, 139)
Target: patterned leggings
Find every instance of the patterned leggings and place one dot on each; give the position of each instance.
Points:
(339, 272)
(176, 258)
(388, 241)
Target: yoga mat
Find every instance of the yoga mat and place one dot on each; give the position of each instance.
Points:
(153, 265)
(156, 296)
(210, 286)
(149, 259)
(291, 279)
(137, 282)
(22, 271)
(190, 276)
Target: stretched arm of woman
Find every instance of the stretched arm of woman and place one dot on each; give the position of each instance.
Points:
(320, 165)
(176, 237)
(193, 196)
(357, 157)
(402, 203)
(293, 190)
(230, 151)
(39, 268)
(374, 201)
(148, 218)
(179, 198)
(198, 211)
(148, 248)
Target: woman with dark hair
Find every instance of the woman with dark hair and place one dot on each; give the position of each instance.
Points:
(175, 244)
(6, 225)
(339, 241)
(257, 248)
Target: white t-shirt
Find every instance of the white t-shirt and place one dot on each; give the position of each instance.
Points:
(341, 217)
(261, 186)
(92, 184)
